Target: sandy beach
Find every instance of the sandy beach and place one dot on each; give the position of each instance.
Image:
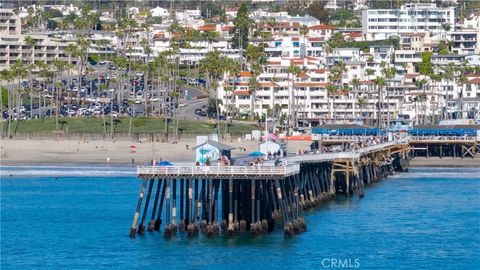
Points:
(38, 152)
(41, 152)
(445, 162)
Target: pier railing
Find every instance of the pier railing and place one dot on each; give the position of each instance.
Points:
(354, 153)
(291, 165)
(280, 171)
(443, 138)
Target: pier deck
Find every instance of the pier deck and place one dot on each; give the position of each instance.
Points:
(257, 172)
(255, 198)
(291, 165)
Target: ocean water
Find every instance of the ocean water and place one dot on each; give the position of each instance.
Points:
(71, 218)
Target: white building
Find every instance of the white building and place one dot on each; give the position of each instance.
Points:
(159, 12)
(13, 46)
(378, 24)
(466, 41)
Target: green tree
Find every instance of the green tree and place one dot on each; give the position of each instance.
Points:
(425, 67)
(242, 24)
(318, 11)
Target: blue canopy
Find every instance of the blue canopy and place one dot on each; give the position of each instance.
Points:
(256, 154)
(165, 163)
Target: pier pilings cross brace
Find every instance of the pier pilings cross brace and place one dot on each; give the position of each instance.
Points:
(469, 150)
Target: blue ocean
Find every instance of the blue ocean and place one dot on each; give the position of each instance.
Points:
(77, 217)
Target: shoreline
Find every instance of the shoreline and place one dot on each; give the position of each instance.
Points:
(113, 153)
(119, 154)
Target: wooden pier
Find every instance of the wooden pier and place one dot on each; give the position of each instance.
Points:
(234, 199)
(445, 146)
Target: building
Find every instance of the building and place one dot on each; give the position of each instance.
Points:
(13, 46)
(212, 151)
(159, 12)
(378, 24)
(466, 41)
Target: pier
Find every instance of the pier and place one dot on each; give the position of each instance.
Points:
(217, 200)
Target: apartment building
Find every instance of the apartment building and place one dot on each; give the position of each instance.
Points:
(13, 46)
(305, 94)
(378, 24)
(466, 41)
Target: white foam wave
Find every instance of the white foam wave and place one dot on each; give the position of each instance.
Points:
(80, 171)
(459, 173)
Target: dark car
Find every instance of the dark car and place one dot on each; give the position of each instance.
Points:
(202, 113)
(198, 111)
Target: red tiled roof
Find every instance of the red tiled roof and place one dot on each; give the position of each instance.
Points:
(474, 81)
(227, 28)
(268, 84)
(354, 34)
(311, 84)
(411, 75)
(366, 82)
(315, 39)
(319, 71)
(245, 74)
(207, 27)
(241, 92)
(321, 27)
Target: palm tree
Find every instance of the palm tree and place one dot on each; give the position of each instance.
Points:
(336, 74)
(355, 85)
(214, 66)
(304, 32)
(9, 76)
(146, 68)
(30, 42)
(82, 54)
(362, 102)
(59, 67)
(463, 80)
(345, 91)
(256, 58)
(423, 97)
(332, 91)
(293, 70)
(43, 73)
(102, 87)
(19, 72)
(379, 83)
(388, 73)
(233, 68)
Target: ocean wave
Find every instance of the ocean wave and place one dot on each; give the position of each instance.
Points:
(457, 173)
(69, 170)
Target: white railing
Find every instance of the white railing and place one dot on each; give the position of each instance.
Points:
(219, 170)
(291, 165)
(443, 138)
(354, 153)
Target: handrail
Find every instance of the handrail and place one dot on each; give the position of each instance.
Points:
(292, 165)
(219, 170)
(443, 138)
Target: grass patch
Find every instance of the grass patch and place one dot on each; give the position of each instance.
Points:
(120, 125)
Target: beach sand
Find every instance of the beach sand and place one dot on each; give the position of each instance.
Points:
(445, 162)
(38, 152)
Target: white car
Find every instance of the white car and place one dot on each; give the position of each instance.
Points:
(182, 105)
